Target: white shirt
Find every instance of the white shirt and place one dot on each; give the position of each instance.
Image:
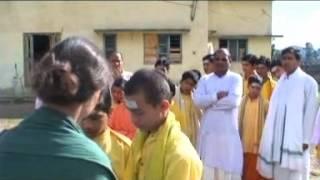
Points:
(126, 75)
(219, 143)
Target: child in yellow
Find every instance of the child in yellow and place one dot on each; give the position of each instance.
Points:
(160, 150)
(248, 63)
(183, 107)
(253, 110)
(263, 70)
(115, 145)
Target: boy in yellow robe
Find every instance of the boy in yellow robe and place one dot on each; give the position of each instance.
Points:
(114, 144)
(186, 112)
(263, 70)
(252, 115)
(160, 150)
(248, 63)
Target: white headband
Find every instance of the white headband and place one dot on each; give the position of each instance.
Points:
(206, 61)
(273, 69)
(131, 104)
(255, 84)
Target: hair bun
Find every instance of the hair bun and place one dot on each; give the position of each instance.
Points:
(71, 72)
(57, 80)
(62, 79)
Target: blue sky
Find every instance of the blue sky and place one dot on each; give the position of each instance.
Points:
(297, 21)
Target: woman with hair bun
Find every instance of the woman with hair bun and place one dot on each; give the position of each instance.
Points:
(49, 144)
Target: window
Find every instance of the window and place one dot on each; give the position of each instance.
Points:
(237, 47)
(35, 46)
(110, 44)
(156, 45)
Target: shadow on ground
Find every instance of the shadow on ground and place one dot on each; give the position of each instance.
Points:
(12, 113)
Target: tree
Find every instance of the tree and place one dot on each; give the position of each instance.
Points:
(275, 53)
(311, 54)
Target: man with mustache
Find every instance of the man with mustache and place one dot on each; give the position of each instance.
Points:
(218, 95)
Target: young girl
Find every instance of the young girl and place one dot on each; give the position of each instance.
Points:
(183, 107)
(120, 119)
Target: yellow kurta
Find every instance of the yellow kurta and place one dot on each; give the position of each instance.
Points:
(245, 86)
(252, 114)
(250, 139)
(166, 154)
(117, 146)
(267, 89)
(188, 116)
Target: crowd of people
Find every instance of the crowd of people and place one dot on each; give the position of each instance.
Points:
(94, 120)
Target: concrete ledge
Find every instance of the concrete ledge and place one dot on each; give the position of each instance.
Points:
(16, 110)
(12, 99)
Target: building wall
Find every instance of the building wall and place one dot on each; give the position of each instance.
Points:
(256, 45)
(240, 17)
(194, 45)
(10, 53)
(260, 46)
(81, 18)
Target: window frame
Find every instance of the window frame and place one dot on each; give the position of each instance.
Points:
(28, 52)
(238, 39)
(168, 48)
(115, 42)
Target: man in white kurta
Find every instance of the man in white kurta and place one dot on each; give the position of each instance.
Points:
(218, 95)
(117, 63)
(284, 149)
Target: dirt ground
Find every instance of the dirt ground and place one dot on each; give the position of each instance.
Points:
(11, 114)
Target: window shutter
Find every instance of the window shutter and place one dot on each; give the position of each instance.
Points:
(151, 45)
(175, 48)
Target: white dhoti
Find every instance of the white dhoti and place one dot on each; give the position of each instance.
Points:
(218, 174)
(287, 174)
(288, 127)
(281, 173)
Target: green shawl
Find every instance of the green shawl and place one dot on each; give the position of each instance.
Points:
(49, 134)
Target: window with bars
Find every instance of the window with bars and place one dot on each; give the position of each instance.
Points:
(157, 45)
(237, 47)
(110, 43)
